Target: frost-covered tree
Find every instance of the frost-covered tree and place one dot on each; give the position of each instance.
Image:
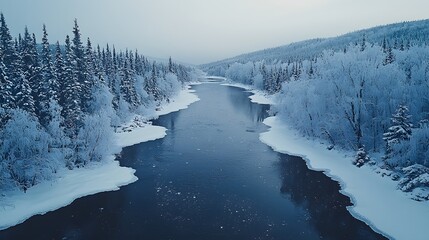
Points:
(82, 71)
(24, 150)
(6, 86)
(23, 93)
(71, 93)
(400, 129)
(361, 157)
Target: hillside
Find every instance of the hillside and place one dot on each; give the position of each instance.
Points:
(416, 31)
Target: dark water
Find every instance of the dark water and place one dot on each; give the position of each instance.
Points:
(209, 178)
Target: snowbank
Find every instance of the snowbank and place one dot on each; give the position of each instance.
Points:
(17, 206)
(376, 199)
(258, 95)
(181, 101)
(73, 184)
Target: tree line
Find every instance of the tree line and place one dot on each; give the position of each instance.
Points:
(59, 104)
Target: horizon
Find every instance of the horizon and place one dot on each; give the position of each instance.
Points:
(199, 35)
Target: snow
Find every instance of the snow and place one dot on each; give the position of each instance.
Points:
(376, 199)
(73, 184)
(149, 132)
(182, 101)
(258, 95)
(17, 206)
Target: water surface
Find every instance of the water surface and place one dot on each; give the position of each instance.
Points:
(209, 178)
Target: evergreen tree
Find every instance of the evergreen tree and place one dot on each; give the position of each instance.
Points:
(48, 87)
(22, 90)
(400, 130)
(150, 84)
(60, 74)
(81, 69)
(31, 72)
(6, 44)
(127, 81)
(6, 87)
(48, 71)
(71, 92)
(390, 57)
(363, 44)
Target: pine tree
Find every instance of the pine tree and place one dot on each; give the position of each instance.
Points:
(22, 89)
(363, 44)
(361, 157)
(6, 87)
(6, 44)
(32, 73)
(48, 87)
(60, 74)
(48, 71)
(81, 69)
(150, 84)
(127, 81)
(390, 57)
(400, 129)
(72, 99)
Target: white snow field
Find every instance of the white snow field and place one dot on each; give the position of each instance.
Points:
(17, 206)
(376, 199)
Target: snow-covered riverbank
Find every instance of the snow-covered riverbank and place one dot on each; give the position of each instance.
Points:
(376, 199)
(17, 206)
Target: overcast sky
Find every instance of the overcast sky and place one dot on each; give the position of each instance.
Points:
(201, 31)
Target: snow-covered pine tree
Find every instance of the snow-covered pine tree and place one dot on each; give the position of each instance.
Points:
(400, 129)
(128, 91)
(6, 97)
(6, 44)
(71, 92)
(48, 87)
(60, 74)
(48, 71)
(22, 91)
(390, 56)
(150, 84)
(81, 68)
(361, 157)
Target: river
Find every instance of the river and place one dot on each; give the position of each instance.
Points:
(209, 178)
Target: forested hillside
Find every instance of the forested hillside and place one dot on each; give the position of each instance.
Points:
(369, 96)
(60, 104)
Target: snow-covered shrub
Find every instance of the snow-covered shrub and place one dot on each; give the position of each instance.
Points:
(25, 150)
(416, 177)
(361, 157)
(95, 139)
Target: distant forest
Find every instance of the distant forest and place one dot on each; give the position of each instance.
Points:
(371, 97)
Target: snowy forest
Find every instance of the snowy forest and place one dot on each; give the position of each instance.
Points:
(370, 97)
(60, 104)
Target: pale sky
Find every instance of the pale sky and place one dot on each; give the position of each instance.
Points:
(201, 31)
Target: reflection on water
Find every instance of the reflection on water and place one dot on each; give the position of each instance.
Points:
(209, 178)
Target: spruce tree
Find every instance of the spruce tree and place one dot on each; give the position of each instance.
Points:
(400, 129)
(81, 69)
(6, 87)
(6, 44)
(48, 71)
(60, 73)
(22, 91)
(72, 99)
(48, 87)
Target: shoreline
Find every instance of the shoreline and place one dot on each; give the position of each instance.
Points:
(375, 199)
(107, 175)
